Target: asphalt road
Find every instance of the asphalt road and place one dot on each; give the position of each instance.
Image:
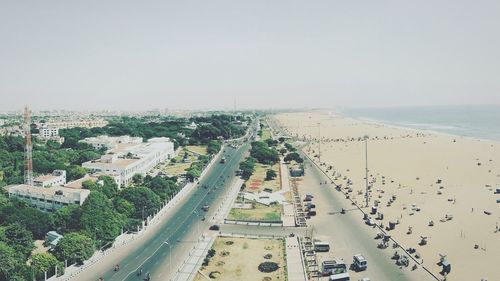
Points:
(154, 254)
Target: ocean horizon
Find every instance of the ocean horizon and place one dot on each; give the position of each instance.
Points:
(476, 121)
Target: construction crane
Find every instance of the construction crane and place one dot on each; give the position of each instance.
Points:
(28, 157)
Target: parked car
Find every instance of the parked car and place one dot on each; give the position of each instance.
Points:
(359, 263)
(215, 227)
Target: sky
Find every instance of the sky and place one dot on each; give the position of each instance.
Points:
(139, 55)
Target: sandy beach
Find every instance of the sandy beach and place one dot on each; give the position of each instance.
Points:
(447, 180)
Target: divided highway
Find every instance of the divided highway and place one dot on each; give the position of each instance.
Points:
(153, 254)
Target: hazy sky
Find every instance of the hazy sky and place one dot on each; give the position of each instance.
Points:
(204, 54)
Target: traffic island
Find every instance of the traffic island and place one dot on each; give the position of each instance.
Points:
(244, 259)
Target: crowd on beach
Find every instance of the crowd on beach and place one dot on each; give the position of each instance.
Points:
(433, 215)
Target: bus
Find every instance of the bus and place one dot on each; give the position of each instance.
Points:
(321, 246)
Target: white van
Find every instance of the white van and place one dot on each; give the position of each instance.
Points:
(340, 277)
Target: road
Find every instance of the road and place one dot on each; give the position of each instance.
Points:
(175, 232)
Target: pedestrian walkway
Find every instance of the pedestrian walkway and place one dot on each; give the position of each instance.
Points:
(223, 210)
(288, 217)
(294, 260)
(189, 267)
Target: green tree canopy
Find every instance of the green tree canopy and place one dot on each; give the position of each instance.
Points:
(270, 174)
(263, 153)
(46, 262)
(143, 199)
(18, 237)
(99, 219)
(74, 247)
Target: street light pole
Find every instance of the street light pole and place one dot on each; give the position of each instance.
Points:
(366, 168)
(319, 143)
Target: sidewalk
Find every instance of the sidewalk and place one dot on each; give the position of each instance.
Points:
(223, 210)
(190, 265)
(294, 260)
(288, 216)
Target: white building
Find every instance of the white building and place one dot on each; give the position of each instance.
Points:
(113, 143)
(48, 198)
(57, 178)
(50, 133)
(137, 159)
(80, 123)
(78, 184)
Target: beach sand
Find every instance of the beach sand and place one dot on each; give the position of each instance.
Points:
(431, 175)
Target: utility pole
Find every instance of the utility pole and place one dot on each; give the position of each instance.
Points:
(319, 143)
(366, 168)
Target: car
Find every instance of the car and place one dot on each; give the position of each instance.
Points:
(214, 227)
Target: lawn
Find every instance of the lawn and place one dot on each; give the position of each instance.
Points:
(239, 258)
(176, 169)
(200, 149)
(260, 212)
(257, 182)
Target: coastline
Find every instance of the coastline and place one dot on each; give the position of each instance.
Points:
(439, 174)
(388, 124)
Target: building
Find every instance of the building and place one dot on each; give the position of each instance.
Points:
(48, 198)
(57, 178)
(113, 143)
(78, 184)
(50, 133)
(80, 123)
(135, 159)
(53, 238)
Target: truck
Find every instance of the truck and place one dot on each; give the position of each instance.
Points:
(359, 263)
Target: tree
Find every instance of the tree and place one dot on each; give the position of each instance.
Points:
(46, 262)
(294, 156)
(281, 139)
(283, 151)
(290, 147)
(124, 207)
(36, 221)
(163, 187)
(74, 247)
(67, 218)
(19, 238)
(99, 220)
(145, 201)
(270, 174)
(213, 147)
(9, 262)
(247, 168)
(74, 172)
(263, 153)
(109, 186)
(137, 179)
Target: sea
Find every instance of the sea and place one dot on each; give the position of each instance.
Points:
(476, 121)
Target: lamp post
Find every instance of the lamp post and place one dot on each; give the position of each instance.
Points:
(319, 143)
(366, 168)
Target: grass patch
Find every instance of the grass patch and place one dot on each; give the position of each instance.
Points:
(200, 149)
(243, 258)
(260, 212)
(257, 182)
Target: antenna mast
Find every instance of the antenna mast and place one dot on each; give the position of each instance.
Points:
(28, 158)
